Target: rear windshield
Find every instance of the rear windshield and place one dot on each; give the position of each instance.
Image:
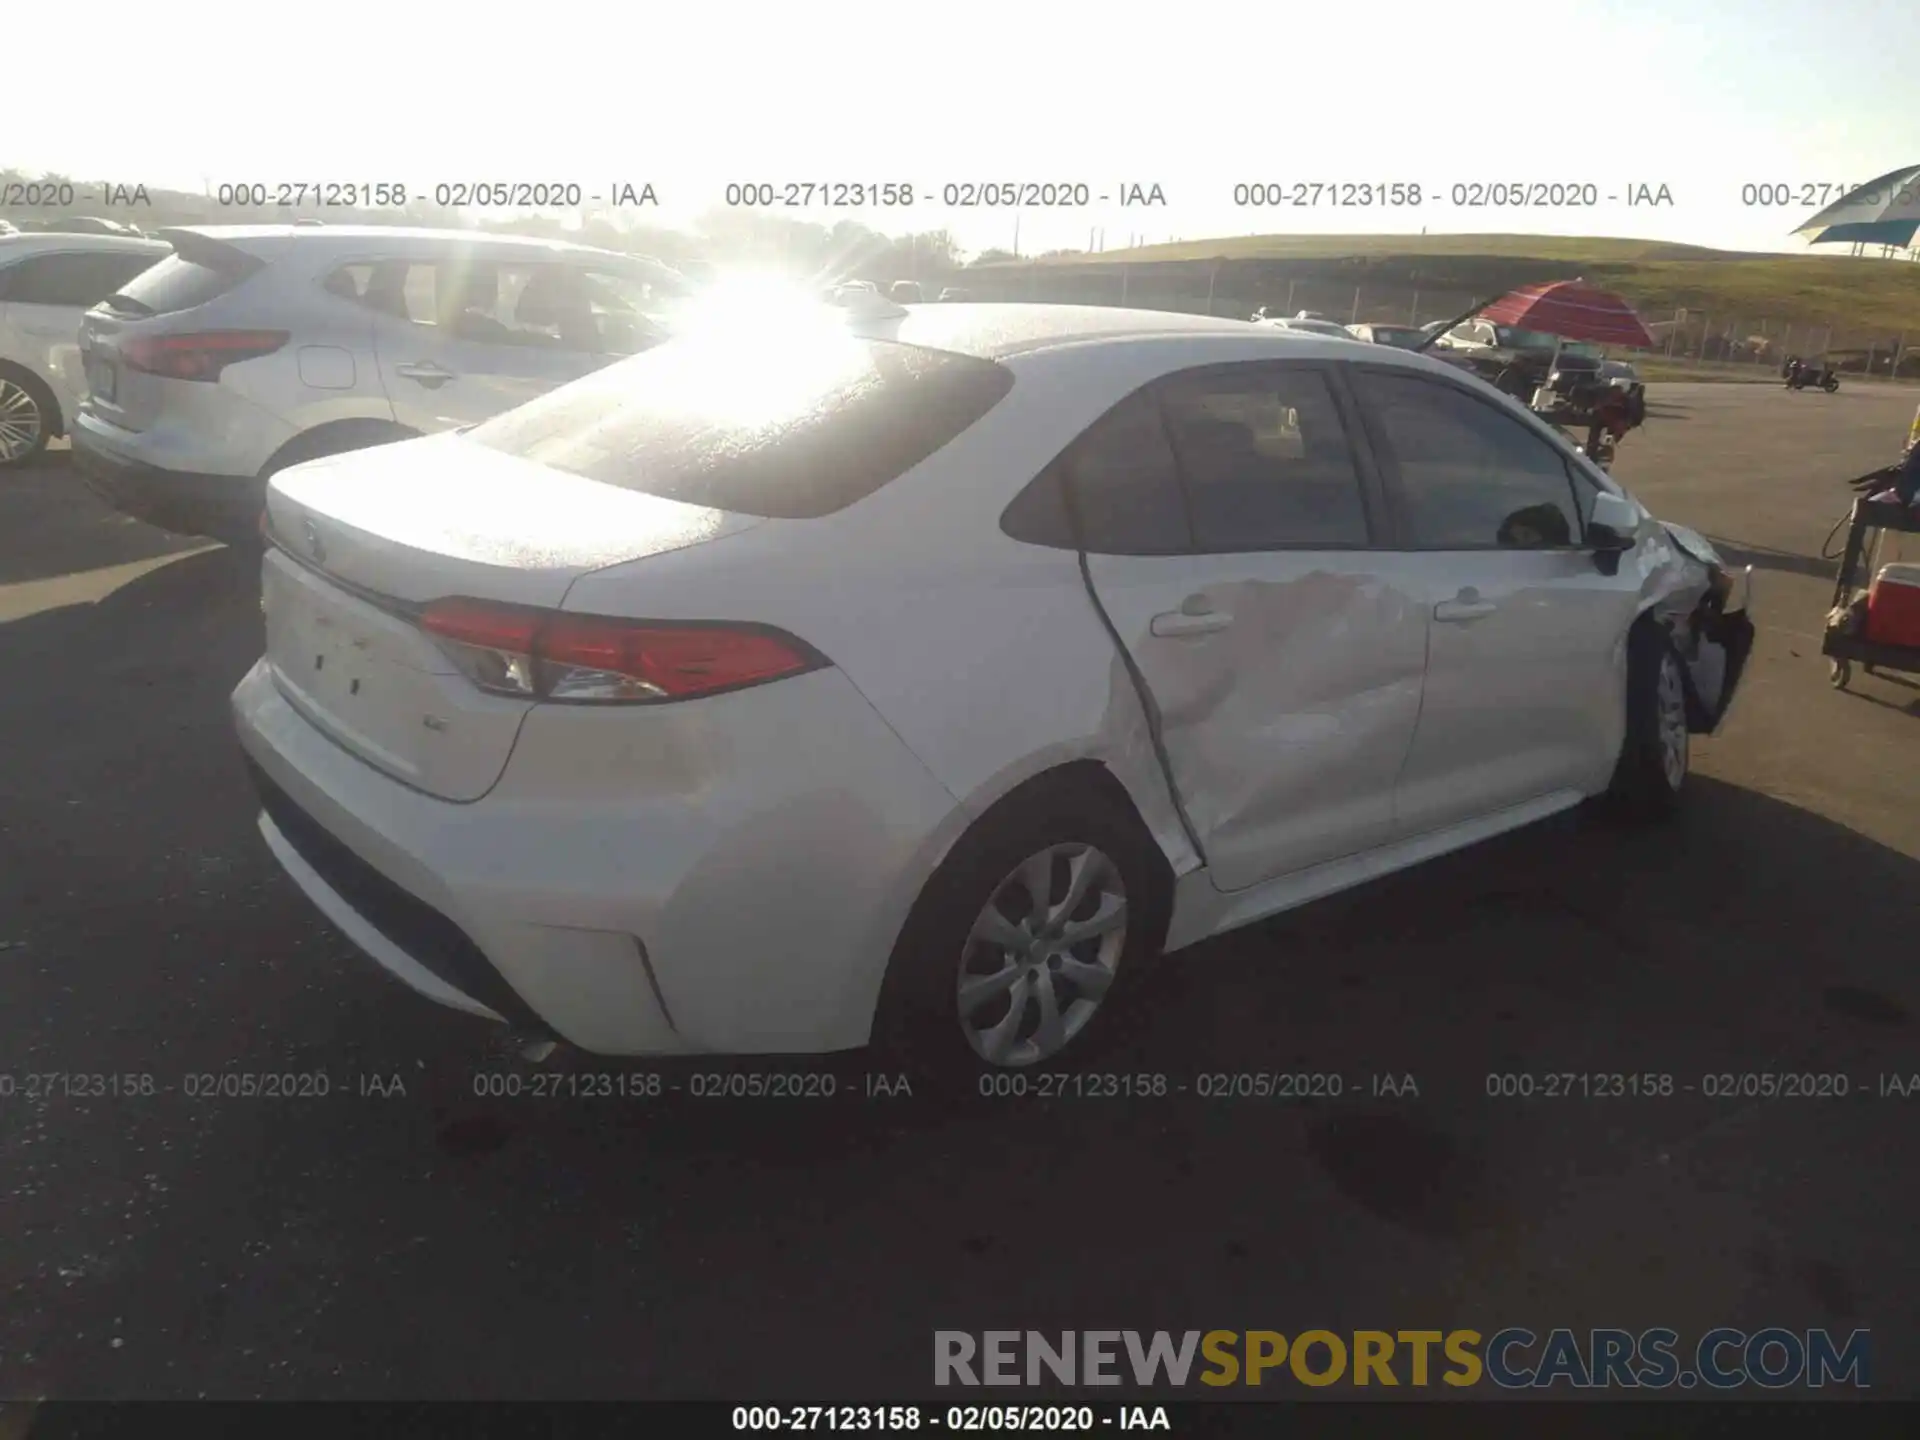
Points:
(789, 429)
(176, 283)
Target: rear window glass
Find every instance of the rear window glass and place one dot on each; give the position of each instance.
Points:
(781, 426)
(175, 284)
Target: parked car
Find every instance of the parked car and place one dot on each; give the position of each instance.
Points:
(1405, 336)
(955, 294)
(905, 292)
(7, 227)
(647, 716)
(1621, 375)
(47, 281)
(1333, 329)
(252, 348)
(83, 225)
(1521, 361)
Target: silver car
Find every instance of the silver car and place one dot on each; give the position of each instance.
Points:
(253, 348)
(47, 281)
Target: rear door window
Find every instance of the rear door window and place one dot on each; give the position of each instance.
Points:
(786, 428)
(530, 306)
(1266, 457)
(1116, 490)
(75, 279)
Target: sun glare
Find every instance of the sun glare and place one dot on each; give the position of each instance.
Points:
(783, 348)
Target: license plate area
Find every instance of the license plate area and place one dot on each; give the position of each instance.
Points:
(363, 675)
(103, 377)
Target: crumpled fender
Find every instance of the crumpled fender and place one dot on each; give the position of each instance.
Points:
(1704, 605)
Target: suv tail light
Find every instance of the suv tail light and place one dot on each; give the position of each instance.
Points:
(552, 655)
(201, 355)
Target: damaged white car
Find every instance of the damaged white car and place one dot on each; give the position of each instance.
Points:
(920, 677)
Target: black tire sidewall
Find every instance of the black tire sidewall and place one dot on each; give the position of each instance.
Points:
(917, 1026)
(1640, 786)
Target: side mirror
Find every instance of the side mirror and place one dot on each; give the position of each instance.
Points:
(1615, 524)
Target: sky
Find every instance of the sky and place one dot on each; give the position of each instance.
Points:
(1706, 98)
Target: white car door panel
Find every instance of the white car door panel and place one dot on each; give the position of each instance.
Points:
(1287, 674)
(1287, 687)
(1525, 678)
(1526, 665)
(450, 359)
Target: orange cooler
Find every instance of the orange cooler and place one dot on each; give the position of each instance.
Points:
(1893, 606)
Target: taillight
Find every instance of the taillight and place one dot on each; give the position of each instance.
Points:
(551, 655)
(201, 355)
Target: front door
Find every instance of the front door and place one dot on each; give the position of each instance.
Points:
(1525, 685)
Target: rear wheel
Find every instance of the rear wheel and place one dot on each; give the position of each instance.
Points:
(26, 417)
(1651, 774)
(1033, 931)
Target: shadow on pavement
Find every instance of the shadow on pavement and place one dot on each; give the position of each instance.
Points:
(56, 526)
(1763, 557)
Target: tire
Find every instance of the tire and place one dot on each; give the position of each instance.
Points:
(28, 417)
(921, 1027)
(1650, 777)
(1839, 673)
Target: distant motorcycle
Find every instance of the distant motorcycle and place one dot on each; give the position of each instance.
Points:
(1800, 376)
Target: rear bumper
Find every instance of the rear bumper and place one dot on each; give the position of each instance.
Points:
(191, 503)
(636, 883)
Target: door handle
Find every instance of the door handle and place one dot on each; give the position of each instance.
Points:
(425, 372)
(1467, 608)
(1183, 622)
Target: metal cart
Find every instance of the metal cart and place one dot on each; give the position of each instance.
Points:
(1844, 643)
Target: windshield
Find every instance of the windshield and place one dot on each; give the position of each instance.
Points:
(1510, 337)
(1397, 335)
(1581, 348)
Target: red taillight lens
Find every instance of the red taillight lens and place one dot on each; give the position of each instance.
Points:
(201, 355)
(550, 655)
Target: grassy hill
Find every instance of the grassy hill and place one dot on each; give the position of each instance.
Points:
(1866, 293)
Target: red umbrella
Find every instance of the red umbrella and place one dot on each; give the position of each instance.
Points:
(1573, 310)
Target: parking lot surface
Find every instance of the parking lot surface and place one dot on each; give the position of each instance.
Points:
(406, 1236)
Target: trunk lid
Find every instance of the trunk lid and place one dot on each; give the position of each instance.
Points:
(362, 541)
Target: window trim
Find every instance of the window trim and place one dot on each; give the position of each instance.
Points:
(1390, 467)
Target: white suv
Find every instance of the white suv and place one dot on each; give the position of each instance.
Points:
(46, 284)
(256, 347)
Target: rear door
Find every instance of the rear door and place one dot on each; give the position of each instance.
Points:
(461, 337)
(1230, 514)
(1525, 668)
(44, 297)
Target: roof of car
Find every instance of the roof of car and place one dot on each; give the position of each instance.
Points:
(261, 238)
(34, 241)
(995, 330)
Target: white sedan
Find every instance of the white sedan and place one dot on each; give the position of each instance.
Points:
(47, 282)
(919, 677)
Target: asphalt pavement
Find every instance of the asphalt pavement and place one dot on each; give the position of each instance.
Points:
(406, 1236)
